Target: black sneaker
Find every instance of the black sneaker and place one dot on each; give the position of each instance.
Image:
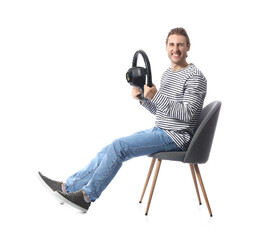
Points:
(50, 185)
(75, 199)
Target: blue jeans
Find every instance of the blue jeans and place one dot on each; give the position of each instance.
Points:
(95, 177)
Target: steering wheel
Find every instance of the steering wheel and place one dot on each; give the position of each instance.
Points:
(136, 76)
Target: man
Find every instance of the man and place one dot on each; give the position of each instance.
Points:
(177, 106)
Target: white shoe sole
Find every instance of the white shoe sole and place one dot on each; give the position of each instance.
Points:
(50, 190)
(63, 199)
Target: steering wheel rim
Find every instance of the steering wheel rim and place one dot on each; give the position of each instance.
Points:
(147, 63)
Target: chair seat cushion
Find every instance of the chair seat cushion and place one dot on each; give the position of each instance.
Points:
(174, 156)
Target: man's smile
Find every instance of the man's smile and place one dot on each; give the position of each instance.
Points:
(176, 54)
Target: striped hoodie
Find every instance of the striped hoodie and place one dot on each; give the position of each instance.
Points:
(178, 103)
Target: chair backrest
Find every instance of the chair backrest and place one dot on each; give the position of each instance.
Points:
(200, 146)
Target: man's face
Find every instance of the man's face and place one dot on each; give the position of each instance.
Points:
(177, 49)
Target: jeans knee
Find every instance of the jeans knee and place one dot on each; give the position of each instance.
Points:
(118, 148)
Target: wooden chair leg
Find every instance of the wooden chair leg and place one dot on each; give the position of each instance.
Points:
(202, 188)
(148, 178)
(195, 182)
(153, 183)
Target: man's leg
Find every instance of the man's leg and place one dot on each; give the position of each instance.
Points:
(78, 180)
(74, 196)
(142, 143)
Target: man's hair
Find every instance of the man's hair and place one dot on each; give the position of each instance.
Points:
(179, 31)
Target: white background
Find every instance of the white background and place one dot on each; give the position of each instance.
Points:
(63, 96)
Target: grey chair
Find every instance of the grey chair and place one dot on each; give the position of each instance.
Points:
(197, 153)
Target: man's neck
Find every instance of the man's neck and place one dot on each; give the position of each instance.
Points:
(178, 67)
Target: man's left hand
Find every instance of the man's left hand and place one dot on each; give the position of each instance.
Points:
(149, 92)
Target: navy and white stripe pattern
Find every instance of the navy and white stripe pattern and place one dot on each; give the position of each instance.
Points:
(178, 103)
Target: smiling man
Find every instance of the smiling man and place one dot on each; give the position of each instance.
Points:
(177, 47)
(177, 106)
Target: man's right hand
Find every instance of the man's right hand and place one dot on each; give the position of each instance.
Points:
(135, 92)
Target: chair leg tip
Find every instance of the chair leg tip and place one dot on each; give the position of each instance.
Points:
(140, 201)
(211, 215)
(200, 203)
(146, 214)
